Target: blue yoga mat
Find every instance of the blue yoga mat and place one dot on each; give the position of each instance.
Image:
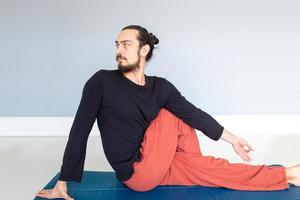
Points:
(104, 185)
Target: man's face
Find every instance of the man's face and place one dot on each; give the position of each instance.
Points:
(127, 50)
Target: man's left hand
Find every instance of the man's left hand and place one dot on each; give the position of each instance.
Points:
(242, 148)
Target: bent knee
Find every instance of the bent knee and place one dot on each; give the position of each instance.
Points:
(168, 115)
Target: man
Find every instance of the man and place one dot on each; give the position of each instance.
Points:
(147, 131)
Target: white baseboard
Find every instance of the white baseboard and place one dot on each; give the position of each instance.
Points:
(242, 124)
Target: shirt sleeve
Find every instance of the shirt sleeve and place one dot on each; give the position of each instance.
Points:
(190, 114)
(75, 151)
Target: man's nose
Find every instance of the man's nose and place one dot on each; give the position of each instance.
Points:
(119, 50)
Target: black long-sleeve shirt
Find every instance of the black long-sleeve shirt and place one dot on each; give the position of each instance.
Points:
(124, 110)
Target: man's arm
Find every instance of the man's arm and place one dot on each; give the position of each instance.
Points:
(75, 151)
(195, 117)
(202, 121)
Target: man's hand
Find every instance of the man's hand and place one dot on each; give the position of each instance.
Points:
(59, 191)
(240, 146)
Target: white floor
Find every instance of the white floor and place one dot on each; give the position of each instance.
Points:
(28, 163)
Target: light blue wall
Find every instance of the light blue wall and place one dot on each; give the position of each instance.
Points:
(226, 57)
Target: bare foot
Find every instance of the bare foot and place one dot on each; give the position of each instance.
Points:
(293, 175)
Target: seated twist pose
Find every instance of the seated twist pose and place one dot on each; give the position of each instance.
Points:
(148, 131)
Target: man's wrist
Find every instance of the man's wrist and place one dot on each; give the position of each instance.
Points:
(228, 137)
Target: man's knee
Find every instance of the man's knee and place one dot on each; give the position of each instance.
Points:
(167, 115)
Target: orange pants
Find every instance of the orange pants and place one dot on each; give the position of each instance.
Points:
(171, 156)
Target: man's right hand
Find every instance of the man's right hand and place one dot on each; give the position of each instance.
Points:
(59, 191)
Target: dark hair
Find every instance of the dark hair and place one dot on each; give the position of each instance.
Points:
(144, 38)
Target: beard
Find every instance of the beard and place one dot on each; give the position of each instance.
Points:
(130, 67)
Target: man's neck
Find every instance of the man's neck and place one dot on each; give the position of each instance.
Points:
(136, 76)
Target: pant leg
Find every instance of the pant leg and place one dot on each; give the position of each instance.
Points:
(187, 139)
(168, 160)
(190, 167)
(157, 151)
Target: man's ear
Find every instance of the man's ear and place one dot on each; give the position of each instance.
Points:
(144, 50)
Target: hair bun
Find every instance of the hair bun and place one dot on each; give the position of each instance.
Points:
(153, 39)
